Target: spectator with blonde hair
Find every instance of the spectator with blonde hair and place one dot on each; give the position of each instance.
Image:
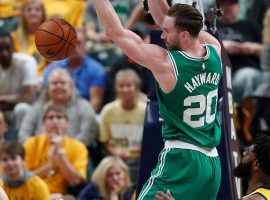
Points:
(110, 181)
(32, 16)
(60, 90)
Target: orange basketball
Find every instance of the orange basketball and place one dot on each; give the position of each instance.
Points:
(55, 39)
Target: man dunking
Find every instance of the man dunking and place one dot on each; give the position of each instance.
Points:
(187, 77)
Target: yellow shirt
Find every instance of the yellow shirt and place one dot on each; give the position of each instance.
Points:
(70, 10)
(261, 191)
(30, 49)
(33, 189)
(9, 8)
(37, 149)
(123, 128)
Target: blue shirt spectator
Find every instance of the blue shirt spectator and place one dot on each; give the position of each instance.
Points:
(89, 74)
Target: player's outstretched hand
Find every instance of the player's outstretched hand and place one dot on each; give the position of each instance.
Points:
(162, 196)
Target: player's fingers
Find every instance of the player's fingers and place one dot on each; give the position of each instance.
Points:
(158, 196)
(168, 193)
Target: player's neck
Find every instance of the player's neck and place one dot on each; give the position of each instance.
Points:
(194, 48)
(258, 181)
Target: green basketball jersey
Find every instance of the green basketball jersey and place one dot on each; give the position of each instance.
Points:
(189, 111)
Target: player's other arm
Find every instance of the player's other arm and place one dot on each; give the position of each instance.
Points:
(158, 10)
(207, 38)
(151, 56)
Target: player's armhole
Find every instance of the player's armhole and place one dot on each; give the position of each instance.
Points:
(175, 70)
(215, 47)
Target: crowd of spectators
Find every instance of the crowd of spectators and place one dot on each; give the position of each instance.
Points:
(73, 128)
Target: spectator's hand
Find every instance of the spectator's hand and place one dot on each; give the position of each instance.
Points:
(162, 196)
(232, 47)
(57, 141)
(53, 155)
(103, 38)
(114, 194)
(121, 153)
(250, 48)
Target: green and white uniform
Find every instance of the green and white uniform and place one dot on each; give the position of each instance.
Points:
(189, 165)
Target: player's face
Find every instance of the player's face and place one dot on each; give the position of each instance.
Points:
(33, 13)
(126, 89)
(55, 123)
(244, 168)
(170, 34)
(59, 88)
(6, 51)
(12, 165)
(115, 179)
(3, 124)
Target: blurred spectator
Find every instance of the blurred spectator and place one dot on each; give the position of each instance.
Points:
(124, 62)
(122, 121)
(256, 10)
(17, 79)
(110, 180)
(88, 74)
(17, 181)
(9, 11)
(58, 159)
(255, 167)
(70, 10)
(98, 44)
(60, 90)
(3, 195)
(3, 126)
(32, 16)
(242, 41)
(259, 108)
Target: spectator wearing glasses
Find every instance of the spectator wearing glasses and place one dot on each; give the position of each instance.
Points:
(58, 159)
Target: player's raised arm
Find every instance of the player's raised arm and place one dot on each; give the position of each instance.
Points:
(129, 42)
(207, 38)
(158, 10)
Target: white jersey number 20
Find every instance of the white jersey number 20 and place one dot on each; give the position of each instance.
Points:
(203, 112)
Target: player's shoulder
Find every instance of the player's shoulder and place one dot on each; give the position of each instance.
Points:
(215, 47)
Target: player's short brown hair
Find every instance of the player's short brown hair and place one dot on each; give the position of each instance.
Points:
(187, 18)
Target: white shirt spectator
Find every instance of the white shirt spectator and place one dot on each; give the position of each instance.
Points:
(22, 72)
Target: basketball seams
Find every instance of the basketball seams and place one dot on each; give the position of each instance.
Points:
(65, 41)
(51, 32)
(63, 33)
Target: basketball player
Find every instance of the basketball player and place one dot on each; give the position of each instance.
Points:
(255, 166)
(187, 77)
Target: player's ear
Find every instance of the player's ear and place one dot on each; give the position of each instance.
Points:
(256, 164)
(184, 34)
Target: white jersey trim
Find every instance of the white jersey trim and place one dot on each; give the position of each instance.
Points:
(175, 70)
(211, 152)
(196, 58)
